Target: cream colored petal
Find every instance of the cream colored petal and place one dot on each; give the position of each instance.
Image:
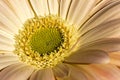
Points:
(18, 72)
(8, 18)
(108, 44)
(115, 58)
(64, 8)
(44, 74)
(106, 72)
(5, 40)
(6, 36)
(4, 46)
(21, 8)
(99, 5)
(4, 20)
(78, 10)
(53, 6)
(103, 30)
(76, 74)
(88, 56)
(5, 64)
(104, 14)
(61, 71)
(6, 53)
(44, 5)
(37, 5)
(5, 10)
(8, 58)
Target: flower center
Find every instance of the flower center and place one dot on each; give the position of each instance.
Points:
(44, 42)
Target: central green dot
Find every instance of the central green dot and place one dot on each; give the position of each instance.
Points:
(46, 40)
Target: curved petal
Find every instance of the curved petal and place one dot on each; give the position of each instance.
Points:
(64, 8)
(44, 4)
(44, 74)
(104, 14)
(88, 56)
(21, 8)
(78, 10)
(76, 74)
(100, 72)
(5, 64)
(61, 71)
(8, 58)
(16, 72)
(108, 44)
(106, 72)
(103, 30)
(41, 7)
(53, 6)
(8, 19)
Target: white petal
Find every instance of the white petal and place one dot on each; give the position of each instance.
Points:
(5, 40)
(105, 14)
(8, 58)
(4, 46)
(53, 6)
(45, 6)
(37, 5)
(6, 53)
(5, 10)
(4, 20)
(79, 9)
(22, 9)
(64, 8)
(45, 74)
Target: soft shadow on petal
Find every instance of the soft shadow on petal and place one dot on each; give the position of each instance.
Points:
(75, 74)
(7, 58)
(44, 74)
(106, 13)
(88, 56)
(16, 72)
(108, 45)
(103, 30)
(61, 70)
(78, 10)
(5, 64)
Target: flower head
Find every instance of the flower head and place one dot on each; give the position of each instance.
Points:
(59, 39)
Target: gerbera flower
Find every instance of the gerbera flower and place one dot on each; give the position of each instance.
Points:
(59, 39)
